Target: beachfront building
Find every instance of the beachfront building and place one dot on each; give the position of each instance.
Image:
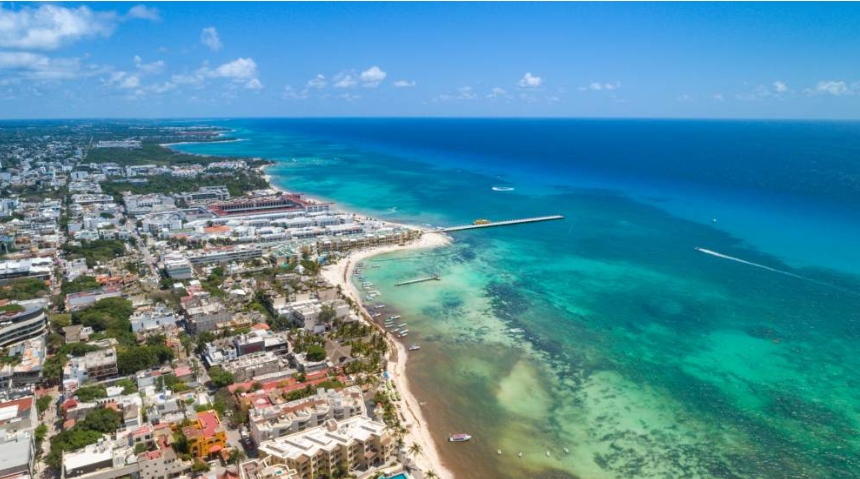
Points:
(224, 254)
(355, 444)
(138, 205)
(268, 204)
(206, 436)
(245, 368)
(279, 420)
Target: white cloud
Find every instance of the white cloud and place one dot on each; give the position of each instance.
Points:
(318, 81)
(497, 93)
(372, 77)
(598, 86)
(405, 84)
(144, 13)
(463, 93)
(253, 84)
(49, 26)
(291, 94)
(209, 37)
(153, 68)
(239, 69)
(835, 88)
(123, 80)
(344, 81)
(780, 87)
(530, 81)
(39, 67)
(719, 98)
(349, 97)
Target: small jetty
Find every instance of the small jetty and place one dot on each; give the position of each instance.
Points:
(493, 224)
(435, 277)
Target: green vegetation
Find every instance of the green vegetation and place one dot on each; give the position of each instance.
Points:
(25, 288)
(77, 349)
(69, 440)
(11, 308)
(172, 382)
(81, 283)
(149, 153)
(213, 282)
(101, 250)
(237, 182)
(52, 370)
(199, 466)
(310, 390)
(128, 386)
(315, 352)
(89, 393)
(220, 378)
(102, 420)
(59, 321)
(133, 359)
(111, 316)
(43, 403)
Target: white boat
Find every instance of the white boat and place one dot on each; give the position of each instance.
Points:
(499, 452)
(566, 451)
(503, 188)
(548, 454)
(520, 454)
(394, 318)
(459, 438)
(414, 347)
(403, 334)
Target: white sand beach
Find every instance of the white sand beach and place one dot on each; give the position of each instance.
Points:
(415, 423)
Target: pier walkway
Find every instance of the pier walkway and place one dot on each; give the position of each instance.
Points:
(494, 224)
(435, 277)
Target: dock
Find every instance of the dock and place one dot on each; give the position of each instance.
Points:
(493, 224)
(435, 277)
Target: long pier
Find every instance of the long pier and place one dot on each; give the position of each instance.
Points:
(494, 224)
(435, 277)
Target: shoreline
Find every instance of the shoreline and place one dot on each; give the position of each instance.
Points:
(417, 427)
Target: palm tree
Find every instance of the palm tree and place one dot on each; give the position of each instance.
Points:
(431, 475)
(415, 449)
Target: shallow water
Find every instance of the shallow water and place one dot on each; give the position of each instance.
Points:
(641, 355)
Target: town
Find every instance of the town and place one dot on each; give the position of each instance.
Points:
(162, 315)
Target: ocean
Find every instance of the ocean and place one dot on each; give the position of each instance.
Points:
(695, 315)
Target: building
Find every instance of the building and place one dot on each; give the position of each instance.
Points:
(25, 268)
(206, 436)
(21, 323)
(106, 459)
(76, 301)
(177, 266)
(355, 444)
(138, 205)
(95, 365)
(260, 340)
(17, 420)
(28, 371)
(225, 254)
(245, 368)
(280, 420)
(162, 464)
(205, 193)
(268, 204)
(152, 319)
(206, 317)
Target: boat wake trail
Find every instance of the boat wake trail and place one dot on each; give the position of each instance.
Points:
(750, 263)
(774, 270)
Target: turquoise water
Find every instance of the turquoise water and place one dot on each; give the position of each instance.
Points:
(641, 355)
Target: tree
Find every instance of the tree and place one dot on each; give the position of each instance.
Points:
(415, 449)
(199, 466)
(315, 353)
(327, 314)
(43, 403)
(88, 393)
(104, 420)
(220, 378)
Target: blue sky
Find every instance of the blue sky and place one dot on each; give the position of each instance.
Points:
(713, 60)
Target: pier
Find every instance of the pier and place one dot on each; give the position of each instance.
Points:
(435, 277)
(493, 224)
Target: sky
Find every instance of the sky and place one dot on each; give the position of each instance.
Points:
(225, 59)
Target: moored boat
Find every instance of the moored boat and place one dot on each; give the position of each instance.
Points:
(459, 438)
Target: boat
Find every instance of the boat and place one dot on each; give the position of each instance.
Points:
(403, 334)
(459, 438)
(503, 188)
(499, 452)
(520, 454)
(401, 325)
(414, 347)
(516, 330)
(566, 451)
(376, 315)
(379, 306)
(394, 318)
(548, 454)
